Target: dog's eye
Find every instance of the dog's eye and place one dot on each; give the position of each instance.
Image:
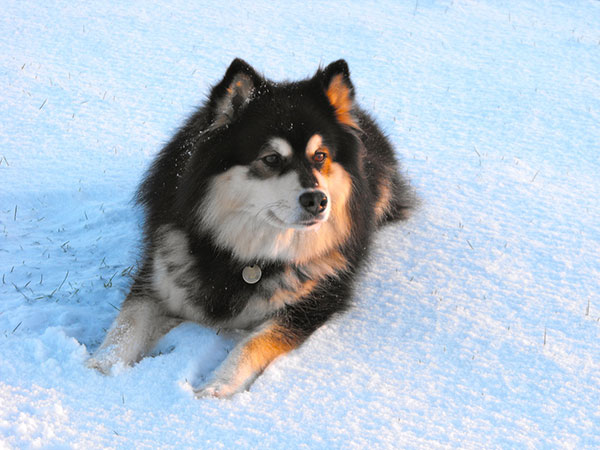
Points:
(319, 157)
(272, 160)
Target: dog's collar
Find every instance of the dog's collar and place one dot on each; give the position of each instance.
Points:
(252, 274)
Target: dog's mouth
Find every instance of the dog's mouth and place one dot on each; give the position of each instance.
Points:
(310, 224)
(305, 223)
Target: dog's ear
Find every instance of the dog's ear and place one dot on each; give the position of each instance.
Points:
(233, 93)
(335, 79)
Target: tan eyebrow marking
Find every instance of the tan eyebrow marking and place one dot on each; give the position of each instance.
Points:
(314, 143)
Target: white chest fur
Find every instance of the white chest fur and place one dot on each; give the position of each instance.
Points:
(173, 274)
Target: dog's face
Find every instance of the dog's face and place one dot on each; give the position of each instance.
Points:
(282, 158)
(286, 188)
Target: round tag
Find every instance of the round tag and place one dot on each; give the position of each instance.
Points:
(251, 274)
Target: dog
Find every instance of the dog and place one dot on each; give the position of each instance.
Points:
(259, 216)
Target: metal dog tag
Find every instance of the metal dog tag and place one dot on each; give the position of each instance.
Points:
(251, 274)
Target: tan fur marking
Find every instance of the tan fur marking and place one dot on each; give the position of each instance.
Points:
(313, 144)
(338, 94)
(248, 359)
(262, 349)
(316, 270)
(288, 296)
(328, 265)
(326, 167)
(383, 202)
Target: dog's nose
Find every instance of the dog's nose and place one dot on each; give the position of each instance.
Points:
(314, 202)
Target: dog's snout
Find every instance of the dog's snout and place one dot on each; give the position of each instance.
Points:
(314, 202)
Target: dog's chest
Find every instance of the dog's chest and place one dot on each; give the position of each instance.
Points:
(198, 289)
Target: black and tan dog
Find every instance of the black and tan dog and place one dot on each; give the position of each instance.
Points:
(259, 214)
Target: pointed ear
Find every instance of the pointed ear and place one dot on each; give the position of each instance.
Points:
(340, 91)
(233, 93)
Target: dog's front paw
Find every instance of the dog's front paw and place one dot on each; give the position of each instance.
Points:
(101, 365)
(215, 389)
(102, 360)
(220, 388)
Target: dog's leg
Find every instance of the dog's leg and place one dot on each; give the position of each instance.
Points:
(139, 325)
(287, 331)
(248, 359)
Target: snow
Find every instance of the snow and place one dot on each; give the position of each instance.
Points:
(476, 324)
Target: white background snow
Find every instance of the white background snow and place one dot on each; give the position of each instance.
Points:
(476, 324)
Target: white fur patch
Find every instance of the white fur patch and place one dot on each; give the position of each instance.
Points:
(172, 262)
(281, 146)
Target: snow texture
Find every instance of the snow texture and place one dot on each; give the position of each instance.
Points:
(476, 324)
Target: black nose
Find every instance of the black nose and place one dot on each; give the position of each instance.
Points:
(314, 202)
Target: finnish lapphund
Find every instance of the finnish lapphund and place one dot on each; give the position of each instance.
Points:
(259, 216)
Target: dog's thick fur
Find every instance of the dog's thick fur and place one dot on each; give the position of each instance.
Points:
(259, 214)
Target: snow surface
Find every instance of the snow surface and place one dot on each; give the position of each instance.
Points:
(477, 323)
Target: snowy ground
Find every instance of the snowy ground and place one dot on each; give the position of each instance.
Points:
(477, 324)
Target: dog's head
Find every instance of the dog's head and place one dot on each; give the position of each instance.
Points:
(279, 160)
